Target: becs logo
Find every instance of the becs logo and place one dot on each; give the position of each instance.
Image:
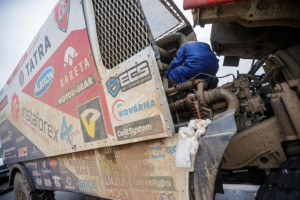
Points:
(129, 79)
(61, 12)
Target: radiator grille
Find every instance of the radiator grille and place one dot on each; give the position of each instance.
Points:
(121, 30)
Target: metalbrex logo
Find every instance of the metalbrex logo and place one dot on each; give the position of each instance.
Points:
(129, 79)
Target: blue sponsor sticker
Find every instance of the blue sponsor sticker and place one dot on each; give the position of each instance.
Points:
(44, 81)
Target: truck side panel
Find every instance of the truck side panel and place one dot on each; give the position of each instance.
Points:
(143, 170)
(58, 101)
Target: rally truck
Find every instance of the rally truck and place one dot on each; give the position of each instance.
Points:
(89, 110)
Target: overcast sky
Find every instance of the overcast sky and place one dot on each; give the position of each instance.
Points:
(21, 20)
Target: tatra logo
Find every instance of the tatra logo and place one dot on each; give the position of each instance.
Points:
(61, 12)
(90, 127)
(38, 55)
(129, 79)
(92, 121)
(44, 81)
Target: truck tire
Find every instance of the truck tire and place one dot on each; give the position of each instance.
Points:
(22, 192)
(283, 183)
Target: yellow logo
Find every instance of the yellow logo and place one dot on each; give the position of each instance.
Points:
(90, 126)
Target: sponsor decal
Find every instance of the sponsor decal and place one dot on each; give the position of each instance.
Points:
(129, 79)
(120, 109)
(87, 184)
(6, 139)
(15, 106)
(21, 78)
(140, 128)
(3, 116)
(91, 120)
(65, 131)
(150, 195)
(40, 124)
(113, 86)
(45, 169)
(76, 70)
(57, 181)
(118, 193)
(80, 165)
(4, 128)
(48, 182)
(115, 181)
(70, 54)
(36, 173)
(171, 149)
(75, 91)
(156, 152)
(22, 152)
(39, 181)
(69, 184)
(9, 153)
(61, 13)
(3, 103)
(37, 55)
(164, 183)
(112, 167)
(34, 151)
(44, 81)
(53, 163)
(20, 139)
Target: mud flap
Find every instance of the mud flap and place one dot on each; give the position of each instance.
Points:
(210, 154)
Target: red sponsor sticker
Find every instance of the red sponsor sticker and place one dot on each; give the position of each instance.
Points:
(53, 163)
(61, 12)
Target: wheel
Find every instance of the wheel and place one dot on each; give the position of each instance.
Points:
(21, 188)
(22, 192)
(283, 183)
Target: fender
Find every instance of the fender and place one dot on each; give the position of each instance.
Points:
(14, 168)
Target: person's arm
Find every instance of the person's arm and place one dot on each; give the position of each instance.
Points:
(178, 59)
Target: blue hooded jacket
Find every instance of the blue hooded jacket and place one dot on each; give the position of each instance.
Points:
(191, 59)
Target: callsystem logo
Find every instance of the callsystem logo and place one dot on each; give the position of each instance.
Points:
(92, 121)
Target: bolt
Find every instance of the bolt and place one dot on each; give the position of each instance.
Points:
(284, 171)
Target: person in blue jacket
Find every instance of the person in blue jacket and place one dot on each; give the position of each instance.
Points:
(191, 59)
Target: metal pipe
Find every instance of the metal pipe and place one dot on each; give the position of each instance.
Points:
(283, 117)
(164, 53)
(165, 66)
(292, 105)
(290, 63)
(183, 86)
(180, 38)
(220, 93)
(200, 92)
